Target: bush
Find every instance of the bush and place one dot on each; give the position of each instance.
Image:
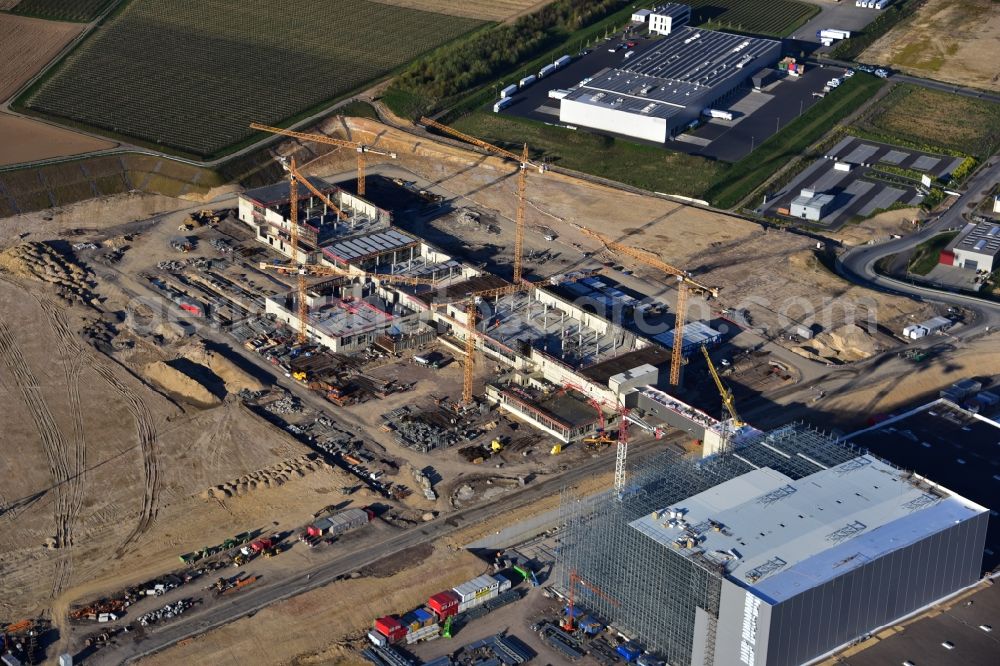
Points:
(963, 170)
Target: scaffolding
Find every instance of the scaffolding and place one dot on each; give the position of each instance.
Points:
(669, 599)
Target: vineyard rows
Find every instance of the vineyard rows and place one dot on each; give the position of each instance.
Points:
(62, 10)
(777, 18)
(192, 74)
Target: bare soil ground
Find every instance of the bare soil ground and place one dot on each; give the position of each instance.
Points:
(949, 40)
(496, 10)
(877, 228)
(26, 140)
(324, 626)
(774, 274)
(27, 45)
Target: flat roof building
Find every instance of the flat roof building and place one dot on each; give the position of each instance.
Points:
(977, 247)
(773, 553)
(655, 95)
(696, 334)
(810, 205)
(669, 17)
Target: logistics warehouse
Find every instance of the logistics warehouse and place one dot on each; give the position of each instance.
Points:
(656, 96)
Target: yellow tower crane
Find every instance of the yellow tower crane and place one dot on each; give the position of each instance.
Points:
(524, 163)
(684, 283)
(360, 148)
(728, 401)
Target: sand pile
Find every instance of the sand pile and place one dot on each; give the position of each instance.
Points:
(174, 381)
(42, 261)
(234, 377)
(847, 344)
(270, 477)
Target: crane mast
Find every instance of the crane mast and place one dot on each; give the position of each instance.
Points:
(300, 278)
(523, 161)
(728, 400)
(677, 353)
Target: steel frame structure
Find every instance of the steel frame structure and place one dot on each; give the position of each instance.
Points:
(659, 589)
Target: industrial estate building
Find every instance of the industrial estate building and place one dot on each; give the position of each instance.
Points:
(976, 248)
(775, 552)
(657, 94)
(669, 17)
(810, 205)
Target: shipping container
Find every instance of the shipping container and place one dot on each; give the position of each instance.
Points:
(563, 61)
(391, 628)
(504, 582)
(425, 616)
(527, 81)
(477, 601)
(476, 587)
(445, 604)
(509, 91)
(545, 71)
(411, 622)
(377, 639)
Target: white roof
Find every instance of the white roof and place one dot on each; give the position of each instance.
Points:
(778, 537)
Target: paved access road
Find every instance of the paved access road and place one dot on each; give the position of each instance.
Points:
(246, 602)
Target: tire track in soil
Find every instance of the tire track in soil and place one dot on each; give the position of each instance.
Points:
(146, 433)
(53, 444)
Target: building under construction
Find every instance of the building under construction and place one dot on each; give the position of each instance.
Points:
(775, 552)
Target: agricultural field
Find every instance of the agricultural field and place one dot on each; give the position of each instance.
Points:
(777, 18)
(947, 40)
(27, 45)
(491, 10)
(922, 118)
(27, 140)
(191, 75)
(60, 10)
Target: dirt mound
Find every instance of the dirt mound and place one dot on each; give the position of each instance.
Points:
(174, 381)
(43, 261)
(846, 344)
(270, 477)
(235, 378)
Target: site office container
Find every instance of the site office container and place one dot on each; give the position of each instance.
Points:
(444, 604)
(261, 545)
(483, 597)
(504, 583)
(391, 628)
(477, 587)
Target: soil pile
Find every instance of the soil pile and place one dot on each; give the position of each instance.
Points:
(174, 381)
(42, 261)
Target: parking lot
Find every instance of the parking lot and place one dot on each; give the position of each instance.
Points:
(863, 190)
(757, 115)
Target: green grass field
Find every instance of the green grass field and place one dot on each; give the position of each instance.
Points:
(649, 167)
(932, 121)
(777, 18)
(62, 10)
(191, 75)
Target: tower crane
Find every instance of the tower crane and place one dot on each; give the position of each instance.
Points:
(728, 401)
(524, 163)
(680, 319)
(470, 337)
(684, 283)
(300, 280)
(360, 148)
(651, 260)
(574, 578)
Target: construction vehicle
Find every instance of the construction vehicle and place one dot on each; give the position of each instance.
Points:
(360, 148)
(496, 446)
(556, 449)
(523, 161)
(446, 628)
(567, 624)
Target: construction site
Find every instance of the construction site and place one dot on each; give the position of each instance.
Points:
(403, 326)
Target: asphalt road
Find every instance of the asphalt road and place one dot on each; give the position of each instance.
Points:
(262, 594)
